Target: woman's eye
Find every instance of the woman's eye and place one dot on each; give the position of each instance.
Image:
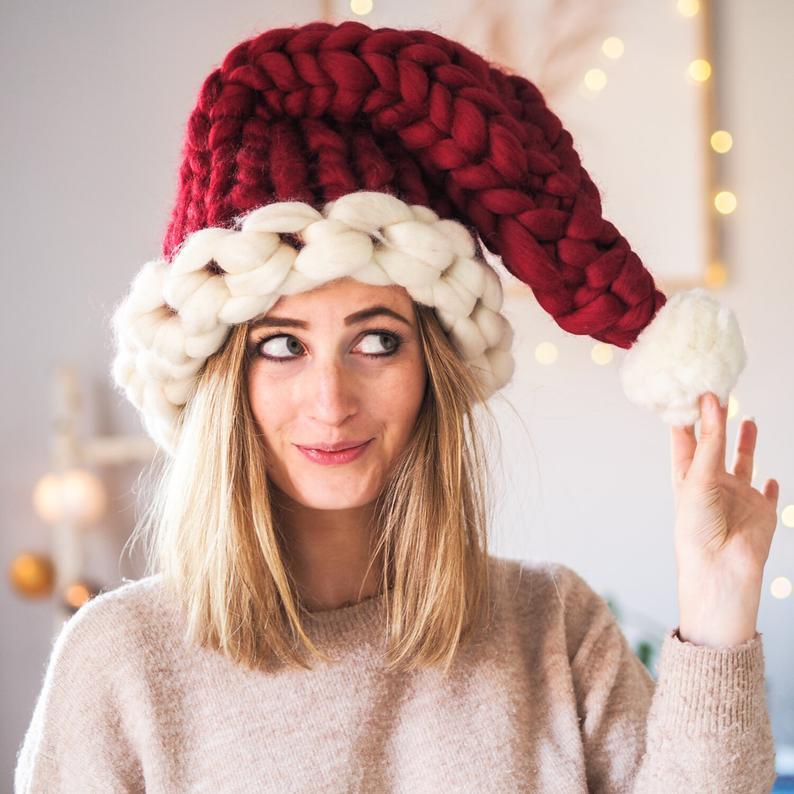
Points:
(280, 346)
(387, 341)
(276, 349)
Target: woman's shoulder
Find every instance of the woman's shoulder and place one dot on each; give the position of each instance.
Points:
(132, 599)
(539, 576)
(81, 719)
(114, 621)
(541, 591)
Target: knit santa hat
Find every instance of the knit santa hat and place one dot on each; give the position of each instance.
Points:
(392, 156)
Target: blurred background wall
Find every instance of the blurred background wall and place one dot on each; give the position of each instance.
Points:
(94, 102)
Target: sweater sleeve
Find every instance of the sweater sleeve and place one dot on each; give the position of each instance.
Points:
(702, 726)
(76, 739)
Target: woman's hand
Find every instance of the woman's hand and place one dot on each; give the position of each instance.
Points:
(723, 530)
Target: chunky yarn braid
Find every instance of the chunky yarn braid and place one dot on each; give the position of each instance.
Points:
(330, 109)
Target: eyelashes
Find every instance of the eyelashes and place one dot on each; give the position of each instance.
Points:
(254, 347)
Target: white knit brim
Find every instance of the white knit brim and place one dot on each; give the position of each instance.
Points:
(692, 346)
(176, 316)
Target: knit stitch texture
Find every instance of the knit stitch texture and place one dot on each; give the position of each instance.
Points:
(549, 698)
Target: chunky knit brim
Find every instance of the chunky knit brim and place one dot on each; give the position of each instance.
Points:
(177, 314)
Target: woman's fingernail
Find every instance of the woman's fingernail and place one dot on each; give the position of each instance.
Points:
(749, 419)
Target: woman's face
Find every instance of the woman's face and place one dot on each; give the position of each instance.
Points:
(319, 374)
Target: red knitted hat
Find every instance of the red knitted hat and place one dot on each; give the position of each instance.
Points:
(322, 150)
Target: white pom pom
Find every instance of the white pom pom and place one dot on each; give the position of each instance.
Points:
(692, 346)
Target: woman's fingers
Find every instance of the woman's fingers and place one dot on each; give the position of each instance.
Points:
(682, 450)
(772, 491)
(706, 454)
(745, 448)
(709, 458)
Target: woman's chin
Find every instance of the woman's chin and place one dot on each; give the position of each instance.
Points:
(322, 493)
(335, 499)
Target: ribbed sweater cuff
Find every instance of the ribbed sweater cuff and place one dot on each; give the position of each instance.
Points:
(704, 690)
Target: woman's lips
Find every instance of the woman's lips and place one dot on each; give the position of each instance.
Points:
(342, 456)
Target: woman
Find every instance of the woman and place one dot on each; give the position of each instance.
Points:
(312, 352)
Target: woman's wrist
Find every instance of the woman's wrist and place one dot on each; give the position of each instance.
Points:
(716, 636)
(718, 613)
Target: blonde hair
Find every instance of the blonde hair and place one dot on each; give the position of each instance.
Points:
(211, 526)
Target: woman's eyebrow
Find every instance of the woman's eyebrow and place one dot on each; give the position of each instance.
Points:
(356, 317)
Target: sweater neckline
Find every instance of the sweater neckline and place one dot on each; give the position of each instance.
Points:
(330, 622)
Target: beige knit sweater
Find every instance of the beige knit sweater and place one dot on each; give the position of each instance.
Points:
(551, 700)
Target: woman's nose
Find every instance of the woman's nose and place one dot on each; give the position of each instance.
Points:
(330, 391)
